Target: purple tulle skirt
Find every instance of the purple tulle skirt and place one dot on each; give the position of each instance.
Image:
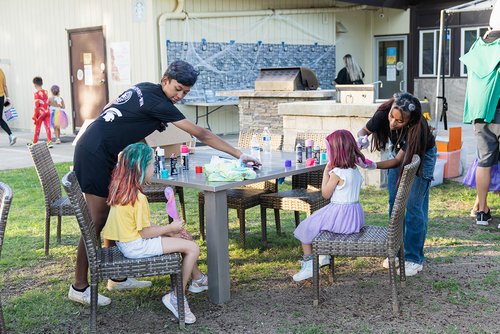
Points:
(336, 218)
(470, 177)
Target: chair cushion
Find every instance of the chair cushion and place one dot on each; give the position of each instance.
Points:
(294, 200)
(370, 241)
(112, 263)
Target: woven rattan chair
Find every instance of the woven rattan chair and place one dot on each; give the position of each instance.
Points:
(156, 193)
(55, 203)
(5, 200)
(371, 240)
(305, 195)
(244, 197)
(105, 263)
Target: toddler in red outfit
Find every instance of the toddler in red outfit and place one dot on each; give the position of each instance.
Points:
(41, 113)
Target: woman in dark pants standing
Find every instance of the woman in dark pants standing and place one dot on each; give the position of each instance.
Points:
(3, 99)
(399, 122)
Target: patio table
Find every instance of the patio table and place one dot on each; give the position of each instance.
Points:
(216, 208)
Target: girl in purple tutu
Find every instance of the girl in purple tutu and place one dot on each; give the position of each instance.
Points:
(342, 184)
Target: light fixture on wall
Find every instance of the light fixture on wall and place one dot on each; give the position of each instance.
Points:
(381, 14)
(340, 28)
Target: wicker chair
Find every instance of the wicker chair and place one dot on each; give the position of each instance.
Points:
(305, 195)
(244, 197)
(55, 203)
(156, 193)
(105, 263)
(5, 200)
(371, 240)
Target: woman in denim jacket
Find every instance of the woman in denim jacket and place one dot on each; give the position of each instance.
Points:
(399, 123)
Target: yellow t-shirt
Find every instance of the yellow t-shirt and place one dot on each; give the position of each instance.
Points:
(125, 221)
(2, 78)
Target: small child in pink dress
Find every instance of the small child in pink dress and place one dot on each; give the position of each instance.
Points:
(342, 184)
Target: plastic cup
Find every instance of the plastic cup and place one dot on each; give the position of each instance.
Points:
(164, 173)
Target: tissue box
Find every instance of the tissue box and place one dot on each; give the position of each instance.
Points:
(170, 140)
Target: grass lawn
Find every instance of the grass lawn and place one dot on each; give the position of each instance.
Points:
(34, 287)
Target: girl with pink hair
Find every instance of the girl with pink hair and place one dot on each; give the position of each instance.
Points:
(341, 184)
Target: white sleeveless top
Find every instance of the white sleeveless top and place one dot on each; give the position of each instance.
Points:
(349, 191)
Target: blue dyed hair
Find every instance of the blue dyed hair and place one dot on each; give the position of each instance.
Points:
(183, 72)
(137, 157)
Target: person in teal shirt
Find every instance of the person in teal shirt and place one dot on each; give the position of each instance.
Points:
(482, 108)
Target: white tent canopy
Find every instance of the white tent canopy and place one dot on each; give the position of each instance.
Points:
(473, 6)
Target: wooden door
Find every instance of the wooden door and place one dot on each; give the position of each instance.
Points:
(89, 87)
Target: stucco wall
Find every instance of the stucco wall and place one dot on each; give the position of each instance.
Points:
(35, 39)
(35, 43)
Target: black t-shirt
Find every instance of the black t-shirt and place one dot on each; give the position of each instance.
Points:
(343, 78)
(134, 115)
(380, 121)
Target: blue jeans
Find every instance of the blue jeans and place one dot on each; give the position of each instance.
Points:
(417, 209)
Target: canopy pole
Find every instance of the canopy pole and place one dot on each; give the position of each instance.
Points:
(440, 49)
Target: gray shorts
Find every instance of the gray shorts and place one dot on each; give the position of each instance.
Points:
(488, 138)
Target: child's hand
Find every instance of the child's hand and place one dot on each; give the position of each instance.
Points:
(176, 226)
(368, 164)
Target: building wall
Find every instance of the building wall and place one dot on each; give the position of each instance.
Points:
(40, 46)
(361, 28)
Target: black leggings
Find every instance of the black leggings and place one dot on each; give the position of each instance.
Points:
(3, 124)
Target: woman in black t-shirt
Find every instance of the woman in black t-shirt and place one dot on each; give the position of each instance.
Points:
(351, 74)
(399, 122)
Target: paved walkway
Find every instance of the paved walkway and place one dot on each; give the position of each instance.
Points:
(18, 156)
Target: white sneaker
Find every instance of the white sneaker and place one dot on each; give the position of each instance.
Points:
(170, 301)
(199, 285)
(385, 264)
(324, 260)
(306, 271)
(130, 283)
(12, 139)
(84, 297)
(412, 268)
